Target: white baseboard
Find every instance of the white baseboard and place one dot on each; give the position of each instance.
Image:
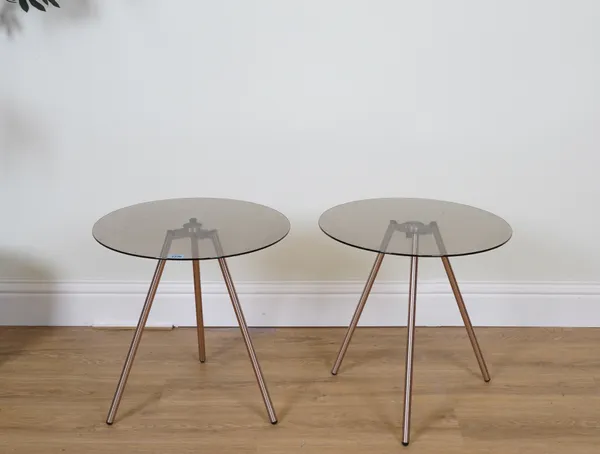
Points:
(280, 304)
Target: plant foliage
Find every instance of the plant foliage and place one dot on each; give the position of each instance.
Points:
(24, 4)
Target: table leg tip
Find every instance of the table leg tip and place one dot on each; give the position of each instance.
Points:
(109, 423)
(405, 443)
(274, 422)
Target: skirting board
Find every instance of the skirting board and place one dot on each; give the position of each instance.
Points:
(282, 304)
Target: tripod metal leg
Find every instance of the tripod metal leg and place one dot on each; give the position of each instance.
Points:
(365, 295)
(198, 296)
(410, 342)
(246, 335)
(199, 316)
(459, 300)
(466, 319)
(135, 342)
(357, 313)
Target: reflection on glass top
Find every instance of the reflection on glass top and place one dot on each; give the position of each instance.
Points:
(188, 229)
(389, 225)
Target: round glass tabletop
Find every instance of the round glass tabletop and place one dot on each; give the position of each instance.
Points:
(191, 229)
(443, 229)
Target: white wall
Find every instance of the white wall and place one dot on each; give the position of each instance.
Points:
(302, 105)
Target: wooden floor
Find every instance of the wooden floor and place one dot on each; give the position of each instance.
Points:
(56, 385)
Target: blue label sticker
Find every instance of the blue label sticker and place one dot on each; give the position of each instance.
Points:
(176, 256)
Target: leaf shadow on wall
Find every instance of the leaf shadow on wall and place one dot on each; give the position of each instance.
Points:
(13, 19)
(9, 20)
(27, 298)
(71, 11)
(21, 137)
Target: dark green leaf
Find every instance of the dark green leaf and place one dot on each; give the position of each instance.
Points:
(53, 3)
(24, 5)
(45, 2)
(37, 5)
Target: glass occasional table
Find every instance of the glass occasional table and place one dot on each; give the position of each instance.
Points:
(414, 228)
(191, 229)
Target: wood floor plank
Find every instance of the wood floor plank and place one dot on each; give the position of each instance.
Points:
(57, 384)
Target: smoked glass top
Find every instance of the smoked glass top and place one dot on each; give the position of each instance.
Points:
(189, 229)
(391, 225)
